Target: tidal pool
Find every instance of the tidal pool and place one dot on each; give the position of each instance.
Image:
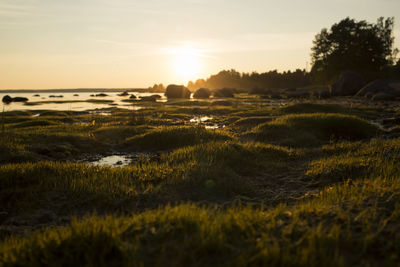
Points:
(113, 160)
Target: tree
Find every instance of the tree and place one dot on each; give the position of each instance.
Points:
(353, 45)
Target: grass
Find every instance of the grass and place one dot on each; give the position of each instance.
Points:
(302, 130)
(317, 185)
(165, 138)
(347, 225)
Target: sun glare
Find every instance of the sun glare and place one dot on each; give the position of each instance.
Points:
(187, 63)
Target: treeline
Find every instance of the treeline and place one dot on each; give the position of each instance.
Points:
(249, 81)
(360, 46)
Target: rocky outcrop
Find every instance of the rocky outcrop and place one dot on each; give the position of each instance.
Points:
(177, 91)
(224, 92)
(202, 93)
(349, 84)
(124, 93)
(9, 99)
(152, 98)
(379, 90)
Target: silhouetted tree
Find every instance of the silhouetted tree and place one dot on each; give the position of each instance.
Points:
(248, 81)
(353, 45)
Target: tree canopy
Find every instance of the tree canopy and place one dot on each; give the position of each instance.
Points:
(353, 45)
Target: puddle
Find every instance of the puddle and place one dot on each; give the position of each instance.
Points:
(35, 115)
(114, 160)
(118, 160)
(200, 119)
(213, 127)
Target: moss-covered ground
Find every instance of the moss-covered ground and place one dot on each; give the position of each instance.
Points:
(253, 183)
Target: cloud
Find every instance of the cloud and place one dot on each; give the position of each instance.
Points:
(16, 8)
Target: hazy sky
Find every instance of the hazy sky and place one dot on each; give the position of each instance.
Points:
(129, 43)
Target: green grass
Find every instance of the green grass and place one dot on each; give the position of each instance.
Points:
(302, 130)
(315, 186)
(346, 225)
(165, 138)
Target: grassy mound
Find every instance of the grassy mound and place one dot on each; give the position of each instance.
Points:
(117, 134)
(35, 123)
(211, 171)
(313, 129)
(347, 225)
(164, 138)
(353, 161)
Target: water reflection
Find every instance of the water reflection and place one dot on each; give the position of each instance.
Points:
(56, 102)
(114, 160)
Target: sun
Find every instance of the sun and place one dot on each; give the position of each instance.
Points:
(187, 63)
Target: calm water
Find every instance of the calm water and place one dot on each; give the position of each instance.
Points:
(79, 106)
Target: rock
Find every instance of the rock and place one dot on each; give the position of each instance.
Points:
(177, 91)
(92, 95)
(378, 87)
(156, 96)
(349, 83)
(222, 103)
(124, 94)
(52, 96)
(102, 94)
(202, 93)
(36, 95)
(20, 99)
(132, 97)
(383, 97)
(76, 95)
(9, 99)
(224, 92)
(151, 98)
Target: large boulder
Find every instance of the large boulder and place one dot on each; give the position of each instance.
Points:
(19, 99)
(378, 87)
(202, 93)
(151, 98)
(224, 92)
(124, 93)
(8, 99)
(177, 91)
(349, 83)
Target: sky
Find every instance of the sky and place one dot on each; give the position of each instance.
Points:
(47, 44)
